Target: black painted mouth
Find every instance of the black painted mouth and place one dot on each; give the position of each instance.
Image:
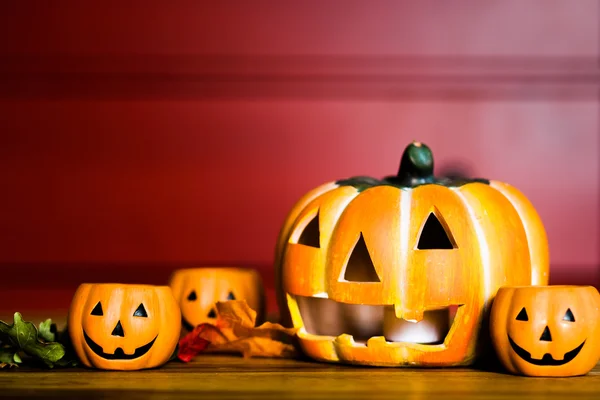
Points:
(547, 360)
(119, 354)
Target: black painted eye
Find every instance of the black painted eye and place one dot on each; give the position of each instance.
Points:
(97, 310)
(192, 296)
(522, 315)
(212, 313)
(230, 296)
(569, 316)
(140, 312)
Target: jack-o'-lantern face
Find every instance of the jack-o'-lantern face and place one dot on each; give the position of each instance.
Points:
(198, 289)
(401, 271)
(547, 330)
(124, 327)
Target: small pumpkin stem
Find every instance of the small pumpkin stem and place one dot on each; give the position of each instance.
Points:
(416, 163)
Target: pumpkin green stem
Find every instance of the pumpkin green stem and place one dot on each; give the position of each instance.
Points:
(416, 165)
(416, 169)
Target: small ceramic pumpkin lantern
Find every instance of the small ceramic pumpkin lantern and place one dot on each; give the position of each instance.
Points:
(124, 327)
(198, 289)
(547, 330)
(401, 271)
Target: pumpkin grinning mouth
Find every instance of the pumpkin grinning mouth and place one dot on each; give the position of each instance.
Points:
(326, 317)
(119, 354)
(547, 359)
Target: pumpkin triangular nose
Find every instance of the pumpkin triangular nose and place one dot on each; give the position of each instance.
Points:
(118, 331)
(546, 336)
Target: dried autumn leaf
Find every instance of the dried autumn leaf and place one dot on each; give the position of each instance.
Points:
(198, 340)
(255, 347)
(235, 333)
(238, 317)
(234, 313)
(236, 320)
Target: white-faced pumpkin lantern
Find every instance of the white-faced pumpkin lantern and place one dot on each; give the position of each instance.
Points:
(401, 271)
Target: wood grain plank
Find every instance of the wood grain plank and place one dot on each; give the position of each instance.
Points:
(231, 377)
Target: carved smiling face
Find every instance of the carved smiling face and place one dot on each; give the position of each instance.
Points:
(198, 289)
(547, 330)
(400, 271)
(124, 327)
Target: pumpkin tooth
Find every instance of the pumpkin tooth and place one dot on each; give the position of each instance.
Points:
(345, 339)
(295, 314)
(412, 315)
(399, 311)
(376, 341)
(432, 327)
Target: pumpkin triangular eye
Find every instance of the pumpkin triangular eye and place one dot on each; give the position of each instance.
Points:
(569, 316)
(360, 267)
(522, 315)
(434, 236)
(192, 296)
(140, 311)
(212, 313)
(230, 296)
(310, 236)
(97, 310)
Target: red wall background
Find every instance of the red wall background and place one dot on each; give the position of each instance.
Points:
(141, 136)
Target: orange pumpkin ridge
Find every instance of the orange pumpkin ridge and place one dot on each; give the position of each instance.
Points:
(402, 271)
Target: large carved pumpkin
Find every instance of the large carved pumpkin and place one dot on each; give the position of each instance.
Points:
(547, 330)
(198, 289)
(124, 327)
(401, 271)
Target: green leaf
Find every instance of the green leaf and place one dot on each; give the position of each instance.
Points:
(45, 331)
(22, 335)
(8, 358)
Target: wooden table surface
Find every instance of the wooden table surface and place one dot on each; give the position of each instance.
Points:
(221, 377)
